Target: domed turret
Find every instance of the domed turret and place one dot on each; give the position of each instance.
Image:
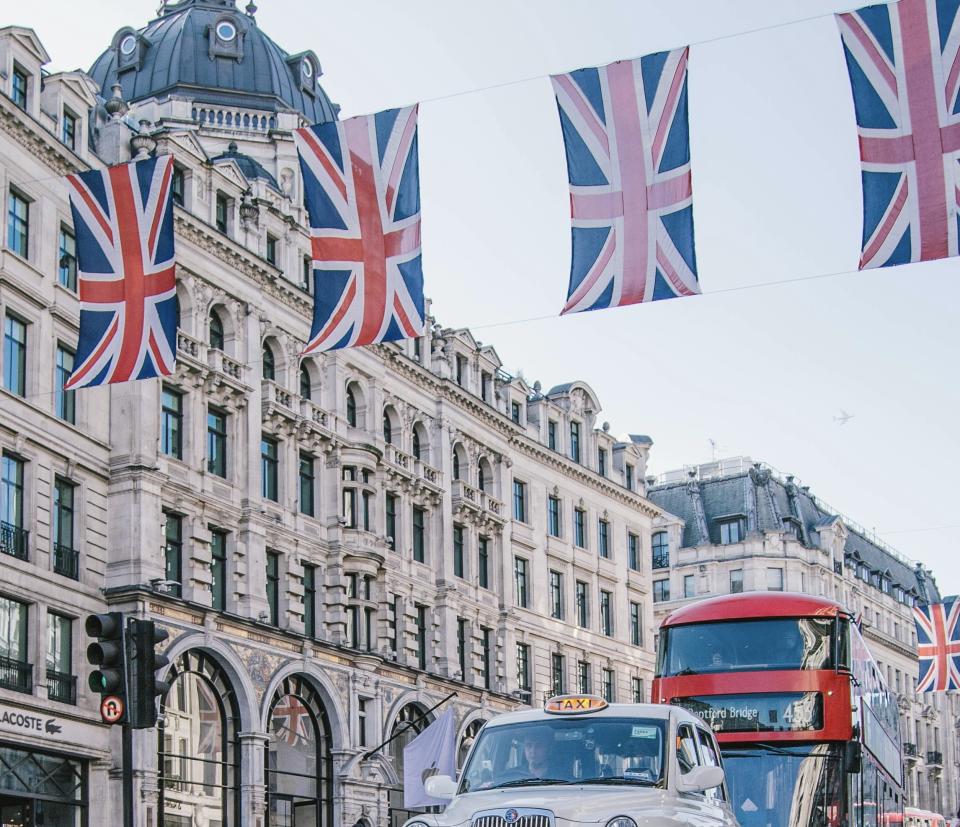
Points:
(210, 52)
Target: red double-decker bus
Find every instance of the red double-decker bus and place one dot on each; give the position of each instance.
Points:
(809, 732)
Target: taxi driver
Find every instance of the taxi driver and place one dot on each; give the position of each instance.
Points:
(536, 751)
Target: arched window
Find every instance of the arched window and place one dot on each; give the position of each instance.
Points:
(198, 753)
(299, 758)
(387, 428)
(215, 331)
(176, 310)
(305, 383)
(466, 742)
(351, 408)
(409, 724)
(481, 480)
(416, 444)
(269, 365)
(456, 465)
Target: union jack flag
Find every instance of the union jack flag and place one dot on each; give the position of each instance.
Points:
(123, 218)
(291, 721)
(628, 162)
(904, 65)
(938, 645)
(362, 190)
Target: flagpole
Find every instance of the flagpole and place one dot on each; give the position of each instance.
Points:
(407, 725)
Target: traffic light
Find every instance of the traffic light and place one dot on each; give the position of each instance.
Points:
(107, 654)
(143, 663)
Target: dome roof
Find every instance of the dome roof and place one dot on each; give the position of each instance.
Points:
(208, 51)
(250, 167)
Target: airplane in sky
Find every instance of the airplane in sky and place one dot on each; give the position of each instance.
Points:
(844, 417)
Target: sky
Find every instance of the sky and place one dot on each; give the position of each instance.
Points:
(744, 369)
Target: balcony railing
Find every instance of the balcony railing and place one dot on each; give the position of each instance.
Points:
(935, 759)
(61, 687)
(910, 750)
(66, 561)
(16, 675)
(14, 540)
(661, 561)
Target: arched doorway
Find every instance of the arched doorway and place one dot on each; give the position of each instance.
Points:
(198, 754)
(408, 725)
(299, 770)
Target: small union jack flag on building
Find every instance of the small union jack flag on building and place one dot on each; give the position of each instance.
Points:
(631, 201)
(938, 645)
(362, 190)
(904, 65)
(291, 721)
(123, 218)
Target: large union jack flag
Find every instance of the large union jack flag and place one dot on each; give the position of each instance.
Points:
(628, 161)
(904, 65)
(123, 217)
(291, 721)
(362, 191)
(938, 645)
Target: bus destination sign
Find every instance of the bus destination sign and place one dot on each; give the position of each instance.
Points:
(760, 712)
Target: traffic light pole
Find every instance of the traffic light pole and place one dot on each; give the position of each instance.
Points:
(127, 763)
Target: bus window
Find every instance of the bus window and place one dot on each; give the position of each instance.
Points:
(686, 748)
(711, 757)
(843, 645)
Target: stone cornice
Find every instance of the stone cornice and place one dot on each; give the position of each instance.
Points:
(31, 134)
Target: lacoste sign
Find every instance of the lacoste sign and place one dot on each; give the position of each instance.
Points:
(34, 723)
(29, 723)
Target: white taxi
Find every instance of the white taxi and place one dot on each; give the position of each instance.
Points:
(580, 760)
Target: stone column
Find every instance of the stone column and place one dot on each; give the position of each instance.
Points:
(253, 747)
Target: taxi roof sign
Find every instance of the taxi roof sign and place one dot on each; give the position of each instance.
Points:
(574, 704)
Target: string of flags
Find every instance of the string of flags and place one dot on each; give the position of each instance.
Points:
(626, 136)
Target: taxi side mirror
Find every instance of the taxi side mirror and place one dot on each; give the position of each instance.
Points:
(440, 786)
(700, 779)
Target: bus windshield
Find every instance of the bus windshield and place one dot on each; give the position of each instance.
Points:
(574, 750)
(746, 645)
(795, 786)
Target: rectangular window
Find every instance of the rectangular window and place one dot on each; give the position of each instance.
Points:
(633, 551)
(306, 277)
(583, 610)
(483, 563)
(689, 586)
(273, 587)
(269, 469)
(223, 209)
(394, 624)
(64, 400)
(553, 516)
(557, 674)
(61, 684)
(218, 569)
(520, 579)
(661, 550)
(551, 435)
(583, 677)
(602, 462)
(68, 129)
(369, 628)
(461, 370)
(579, 528)
(523, 667)
(661, 591)
(18, 87)
(66, 558)
(462, 626)
(609, 682)
(67, 259)
(575, 441)
(306, 484)
(422, 637)
(216, 442)
(171, 422)
(606, 613)
(173, 553)
(515, 412)
(458, 551)
(603, 538)
(638, 692)
(18, 224)
(13, 638)
(636, 624)
(731, 531)
(628, 474)
(271, 250)
(390, 512)
(775, 579)
(485, 635)
(15, 355)
(362, 721)
(520, 501)
(177, 185)
(485, 386)
(419, 529)
(13, 535)
(556, 595)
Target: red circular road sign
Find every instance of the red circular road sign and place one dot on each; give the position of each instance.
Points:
(111, 709)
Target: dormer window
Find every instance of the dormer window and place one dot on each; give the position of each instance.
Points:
(128, 45)
(731, 530)
(306, 69)
(226, 40)
(226, 31)
(18, 87)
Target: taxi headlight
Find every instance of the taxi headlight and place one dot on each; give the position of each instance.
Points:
(621, 821)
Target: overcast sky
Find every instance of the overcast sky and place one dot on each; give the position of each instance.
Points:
(761, 371)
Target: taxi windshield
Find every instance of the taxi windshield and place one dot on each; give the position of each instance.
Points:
(580, 749)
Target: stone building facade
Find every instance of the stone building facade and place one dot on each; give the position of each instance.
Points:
(334, 544)
(742, 526)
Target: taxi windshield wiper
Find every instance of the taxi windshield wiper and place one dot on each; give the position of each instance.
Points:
(526, 782)
(617, 779)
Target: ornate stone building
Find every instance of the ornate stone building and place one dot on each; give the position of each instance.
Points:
(742, 526)
(334, 544)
